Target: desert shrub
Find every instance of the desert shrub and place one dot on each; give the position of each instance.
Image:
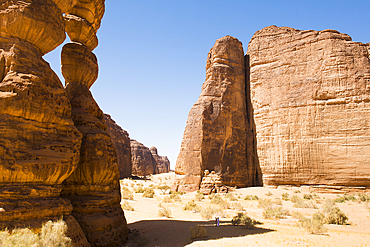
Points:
(164, 212)
(208, 212)
(333, 215)
(51, 234)
(367, 206)
(191, 206)
(285, 196)
(126, 193)
(126, 206)
(269, 193)
(363, 197)
(265, 203)
(308, 196)
(199, 196)
(244, 220)
(315, 225)
(140, 189)
(297, 215)
(340, 199)
(345, 198)
(215, 198)
(231, 197)
(198, 232)
(167, 199)
(177, 193)
(278, 201)
(148, 193)
(175, 197)
(297, 191)
(299, 202)
(237, 206)
(251, 197)
(163, 188)
(275, 212)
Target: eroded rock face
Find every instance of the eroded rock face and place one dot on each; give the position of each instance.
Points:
(121, 142)
(93, 187)
(212, 183)
(143, 163)
(311, 97)
(39, 144)
(218, 126)
(162, 162)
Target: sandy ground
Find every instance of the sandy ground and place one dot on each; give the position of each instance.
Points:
(149, 229)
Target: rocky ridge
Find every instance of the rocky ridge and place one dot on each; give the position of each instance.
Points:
(121, 142)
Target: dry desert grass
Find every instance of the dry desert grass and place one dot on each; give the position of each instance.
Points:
(192, 214)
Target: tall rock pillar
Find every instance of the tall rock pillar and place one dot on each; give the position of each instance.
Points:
(93, 187)
(39, 144)
(216, 134)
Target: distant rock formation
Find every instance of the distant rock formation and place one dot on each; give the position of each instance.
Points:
(121, 142)
(143, 163)
(162, 162)
(39, 144)
(93, 187)
(219, 132)
(212, 183)
(311, 97)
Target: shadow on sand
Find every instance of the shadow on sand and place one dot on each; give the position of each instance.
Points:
(176, 233)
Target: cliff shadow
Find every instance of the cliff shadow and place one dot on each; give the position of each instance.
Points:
(177, 233)
(253, 160)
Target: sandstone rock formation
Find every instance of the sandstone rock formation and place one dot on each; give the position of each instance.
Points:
(143, 163)
(121, 142)
(162, 162)
(39, 144)
(93, 187)
(311, 97)
(219, 132)
(212, 183)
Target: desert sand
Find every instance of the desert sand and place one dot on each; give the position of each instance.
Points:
(149, 229)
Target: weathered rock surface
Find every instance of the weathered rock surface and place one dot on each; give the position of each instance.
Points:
(93, 187)
(143, 163)
(311, 97)
(39, 144)
(121, 142)
(212, 183)
(162, 162)
(218, 126)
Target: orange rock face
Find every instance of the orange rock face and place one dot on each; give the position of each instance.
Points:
(162, 162)
(39, 144)
(121, 142)
(93, 187)
(143, 163)
(218, 127)
(311, 97)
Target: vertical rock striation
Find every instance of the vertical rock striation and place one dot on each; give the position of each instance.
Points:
(311, 96)
(121, 142)
(143, 163)
(93, 187)
(219, 127)
(162, 162)
(39, 144)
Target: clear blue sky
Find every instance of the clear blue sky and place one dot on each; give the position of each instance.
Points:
(152, 54)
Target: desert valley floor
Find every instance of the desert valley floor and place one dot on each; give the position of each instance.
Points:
(173, 229)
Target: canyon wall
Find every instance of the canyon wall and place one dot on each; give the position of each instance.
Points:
(93, 187)
(219, 132)
(162, 162)
(143, 163)
(311, 97)
(121, 142)
(39, 144)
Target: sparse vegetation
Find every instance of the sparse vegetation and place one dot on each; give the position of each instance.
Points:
(299, 202)
(51, 234)
(272, 209)
(285, 196)
(333, 215)
(167, 199)
(140, 189)
(208, 212)
(198, 232)
(126, 193)
(191, 206)
(199, 196)
(244, 220)
(363, 197)
(237, 206)
(297, 191)
(148, 193)
(314, 225)
(269, 193)
(177, 193)
(231, 197)
(163, 188)
(175, 197)
(251, 197)
(126, 206)
(164, 212)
